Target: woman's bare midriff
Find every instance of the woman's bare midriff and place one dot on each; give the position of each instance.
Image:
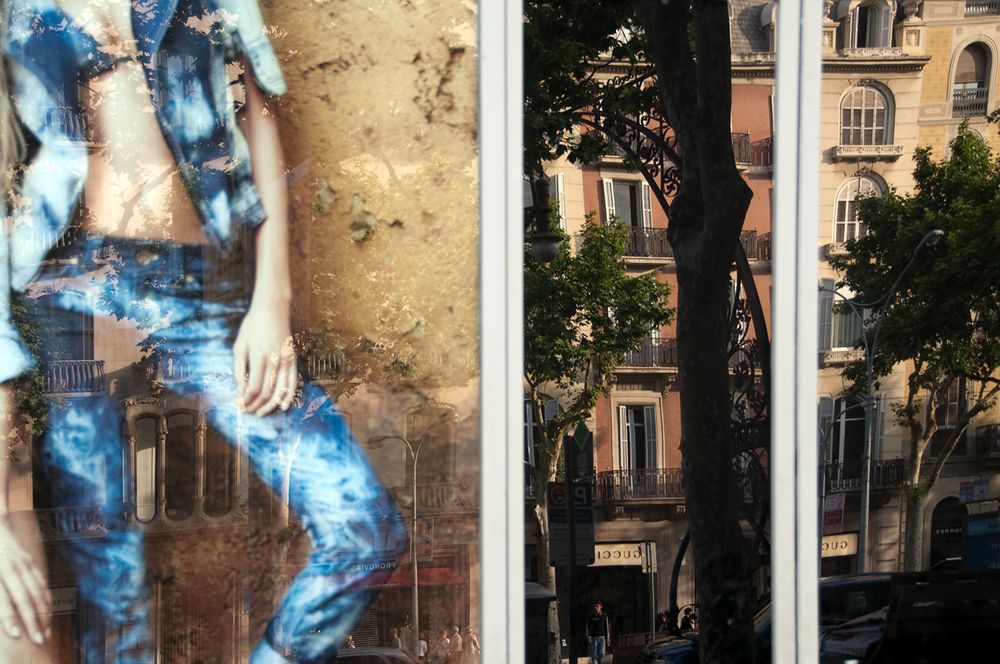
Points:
(133, 187)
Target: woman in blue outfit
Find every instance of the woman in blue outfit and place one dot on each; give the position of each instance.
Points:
(151, 126)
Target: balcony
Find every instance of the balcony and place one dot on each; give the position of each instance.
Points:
(741, 149)
(756, 246)
(653, 353)
(73, 377)
(982, 8)
(876, 152)
(969, 103)
(612, 486)
(327, 365)
(988, 441)
(846, 477)
(71, 523)
(438, 498)
(648, 243)
(872, 52)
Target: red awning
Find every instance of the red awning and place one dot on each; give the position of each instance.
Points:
(426, 576)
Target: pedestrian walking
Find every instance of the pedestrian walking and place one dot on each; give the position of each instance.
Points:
(470, 647)
(598, 633)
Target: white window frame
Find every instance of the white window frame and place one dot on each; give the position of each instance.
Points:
(847, 194)
(862, 132)
(626, 428)
(643, 194)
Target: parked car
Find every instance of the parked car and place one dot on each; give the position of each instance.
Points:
(375, 656)
(842, 599)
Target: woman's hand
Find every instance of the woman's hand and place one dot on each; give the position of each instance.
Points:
(264, 359)
(24, 594)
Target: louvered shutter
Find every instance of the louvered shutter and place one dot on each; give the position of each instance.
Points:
(826, 314)
(647, 206)
(624, 448)
(649, 414)
(609, 199)
(825, 422)
(558, 190)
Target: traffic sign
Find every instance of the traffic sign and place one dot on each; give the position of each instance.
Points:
(583, 507)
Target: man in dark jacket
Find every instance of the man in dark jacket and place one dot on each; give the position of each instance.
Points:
(598, 633)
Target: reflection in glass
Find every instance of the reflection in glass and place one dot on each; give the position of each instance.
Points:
(146, 430)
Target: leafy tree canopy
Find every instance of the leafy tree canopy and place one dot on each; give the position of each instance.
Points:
(945, 315)
(583, 313)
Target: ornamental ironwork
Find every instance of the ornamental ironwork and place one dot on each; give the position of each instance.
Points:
(647, 144)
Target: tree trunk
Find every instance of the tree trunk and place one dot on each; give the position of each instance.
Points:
(713, 502)
(546, 572)
(706, 217)
(916, 506)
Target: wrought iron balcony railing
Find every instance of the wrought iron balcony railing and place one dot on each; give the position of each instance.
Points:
(982, 8)
(72, 522)
(846, 477)
(741, 148)
(967, 103)
(761, 153)
(641, 484)
(438, 498)
(73, 376)
(988, 440)
(648, 242)
(653, 352)
(325, 366)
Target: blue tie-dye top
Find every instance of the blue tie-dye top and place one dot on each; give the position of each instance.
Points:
(184, 47)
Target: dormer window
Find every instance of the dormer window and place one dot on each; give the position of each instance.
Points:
(866, 23)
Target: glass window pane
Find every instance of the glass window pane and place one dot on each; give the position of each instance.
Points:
(180, 451)
(220, 473)
(146, 435)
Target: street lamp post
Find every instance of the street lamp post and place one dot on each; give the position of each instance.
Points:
(878, 308)
(414, 452)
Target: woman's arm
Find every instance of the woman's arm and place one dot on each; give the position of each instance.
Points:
(264, 356)
(23, 589)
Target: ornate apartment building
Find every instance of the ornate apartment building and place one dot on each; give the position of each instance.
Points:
(896, 75)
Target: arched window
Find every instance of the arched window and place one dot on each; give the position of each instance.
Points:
(869, 24)
(220, 472)
(147, 430)
(864, 117)
(970, 91)
(180, 450)
(846, 225)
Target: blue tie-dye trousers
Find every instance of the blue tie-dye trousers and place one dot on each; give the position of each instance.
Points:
(187, 302)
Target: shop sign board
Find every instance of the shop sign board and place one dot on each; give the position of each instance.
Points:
(973, 490)
(624, 554)
(833, 514)
(843, 544)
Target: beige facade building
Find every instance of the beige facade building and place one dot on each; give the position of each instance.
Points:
(896, 76)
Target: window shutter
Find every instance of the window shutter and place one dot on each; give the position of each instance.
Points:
(647, 206)
(624, 458)
(826, 314)
(649, 414)
(886, 17)
(825, 416)
(609, 199)
(558, 181)
(879, 425)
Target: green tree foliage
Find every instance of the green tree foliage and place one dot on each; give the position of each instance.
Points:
(568, 46)
(582, 314)
(943, 323)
